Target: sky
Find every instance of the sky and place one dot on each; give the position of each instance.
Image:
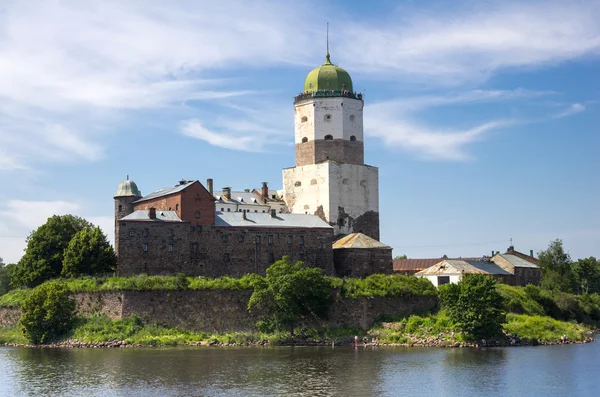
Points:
(482, 116)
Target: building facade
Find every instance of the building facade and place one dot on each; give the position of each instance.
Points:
(330, 178)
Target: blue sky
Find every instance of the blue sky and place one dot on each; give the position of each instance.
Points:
(482, 116)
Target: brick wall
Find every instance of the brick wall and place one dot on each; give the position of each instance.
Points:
(340, 150)
(194, 199)
(217, 251)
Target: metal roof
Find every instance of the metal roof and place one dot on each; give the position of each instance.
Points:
(518, 261)
(259, 219)
(161, 216)
(166, 191)
(457, 267)
(243, 198)
(128, 188)
(403, 265)
(358, 240)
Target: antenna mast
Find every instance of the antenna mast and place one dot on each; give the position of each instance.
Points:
(327, 38)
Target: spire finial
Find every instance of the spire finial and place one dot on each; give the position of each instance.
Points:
(127, 176)
(327, 54)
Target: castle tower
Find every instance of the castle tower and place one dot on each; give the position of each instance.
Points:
(330, 178)
(127, 193)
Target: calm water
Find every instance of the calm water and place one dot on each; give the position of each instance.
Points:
(570, 370)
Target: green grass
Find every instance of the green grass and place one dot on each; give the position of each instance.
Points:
(543, 328)
(12, 335)
(417, 327)
(384, 285)
(14, 298)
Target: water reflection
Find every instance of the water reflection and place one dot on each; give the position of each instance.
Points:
(298, 371)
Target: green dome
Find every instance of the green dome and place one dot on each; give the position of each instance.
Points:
(328, 77)
(128, 188)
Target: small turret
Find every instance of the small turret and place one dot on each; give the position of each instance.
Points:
(127, 193)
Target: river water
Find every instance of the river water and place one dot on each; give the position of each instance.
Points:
(567, 370)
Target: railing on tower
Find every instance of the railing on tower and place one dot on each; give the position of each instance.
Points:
(327, 94)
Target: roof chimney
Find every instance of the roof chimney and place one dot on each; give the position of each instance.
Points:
(531, 253)
(273, 213)
(209, 185)
(152, 213)
(227, 193)
(244, 214)
(265, 190)
(182, 182)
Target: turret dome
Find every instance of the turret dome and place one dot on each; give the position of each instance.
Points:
(328, 77)
(128, 188)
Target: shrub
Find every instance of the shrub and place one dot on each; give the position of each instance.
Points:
(47, 313)
(386, 285)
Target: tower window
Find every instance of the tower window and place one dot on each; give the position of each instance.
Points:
(304, 119)
(313, 182)
(327, 117)
(328, 137)
(304, 140)
(298, 183)
(351, 117)
(352, 138)
(120, 208)
(176, 207)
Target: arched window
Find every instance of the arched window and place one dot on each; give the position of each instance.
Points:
(352, 138)
(351, 117)
(176, 207)
(120, 208)
(304, 140)
(313, 182)
(327, 117)
(304, 119)
(328, 137)
(298, 183)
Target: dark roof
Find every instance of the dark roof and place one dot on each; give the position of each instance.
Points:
(161, 216)
(258, 219)
(512, 251)
(415, 265)
(166, 191)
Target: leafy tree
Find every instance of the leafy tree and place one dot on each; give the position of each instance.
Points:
(5, 273)
(400, 257)
(555, 263)
(1, 262)
(474, 305)
(586, 273)
(48, 313)
(88, 253)
(291, 292)
(44, 254)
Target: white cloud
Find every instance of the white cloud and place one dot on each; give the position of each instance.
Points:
(571, 110)
(468, 42)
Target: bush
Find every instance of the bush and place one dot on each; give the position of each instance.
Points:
(47, 313)
(386, 285)
(541, 328)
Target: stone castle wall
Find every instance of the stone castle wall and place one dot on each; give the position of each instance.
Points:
(225, 311)
(214, 252)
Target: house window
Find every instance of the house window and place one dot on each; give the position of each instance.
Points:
(255, 210)
(197, 196)
(352, 138)
(170, 247)
(304, 140)
(222, 209)
(228, 209)
(194, 247)
(176, 207)
(225, 238)
(197, 214)
(271, 257)
(351, 117)
(131, 233)
(328, 137)
(290, 240)
(443, 280)
(226, 258)
(145, 247)
(170, 233)
(304, 119)
(170, 209)
(327, 117)
(257, 239)
(270, 239)
(145, 232)
(241, 238)
(301, 240)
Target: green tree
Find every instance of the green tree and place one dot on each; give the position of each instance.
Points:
(88, 253)
(557, 274)
(474, 305)
(44, 254)
(48, 313)
(5, 273)
(586, 273)
(400, 257)
(291, 292)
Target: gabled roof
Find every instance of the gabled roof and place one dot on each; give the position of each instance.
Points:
(403, 265)
(161, 216)
(358, 240)
(517, 261)
(259, 219)
(242, 198)
(166, 191)
(457, 267)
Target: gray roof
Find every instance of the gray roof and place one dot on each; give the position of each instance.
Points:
(457, 266)
(245, 198)
(166, 191)
(128, 188)
(518, 262)
(259, 219)
(359, 240)
(161, 216)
